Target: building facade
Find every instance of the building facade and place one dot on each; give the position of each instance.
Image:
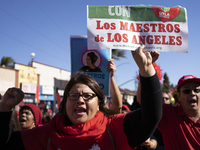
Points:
(8, 78)
(52, 81)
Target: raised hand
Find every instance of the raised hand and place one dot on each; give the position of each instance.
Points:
(114, 90)
(144, 60)
(111, 67)
(154, 56)
(12, 97)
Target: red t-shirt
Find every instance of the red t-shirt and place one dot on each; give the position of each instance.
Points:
(36, 139)
(179, 131)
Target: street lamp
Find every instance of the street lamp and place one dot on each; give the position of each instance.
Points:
(32, 58)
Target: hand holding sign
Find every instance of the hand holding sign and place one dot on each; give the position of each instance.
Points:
(144, 61)
(111, 67)
(154, 56)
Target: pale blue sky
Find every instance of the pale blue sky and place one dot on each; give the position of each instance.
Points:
(44, 27)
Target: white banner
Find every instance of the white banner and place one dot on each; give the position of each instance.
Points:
(157, 35)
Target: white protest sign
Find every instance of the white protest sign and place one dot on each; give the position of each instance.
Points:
(127, 27)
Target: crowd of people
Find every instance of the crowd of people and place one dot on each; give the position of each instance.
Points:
(84, 121)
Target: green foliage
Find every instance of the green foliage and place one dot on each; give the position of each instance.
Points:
(7, 62)
(166, 84)
(116, 54)
(30, 63)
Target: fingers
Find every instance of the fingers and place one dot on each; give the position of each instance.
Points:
(111, 61)
(148, 56)
(11, 98)
(155, 55)
(133, 53)
(143, 60)
(18, 94)
(139, 50)
(108, 66)
(111, 66)
(15, 92)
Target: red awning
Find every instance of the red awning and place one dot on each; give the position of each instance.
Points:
(58, 99)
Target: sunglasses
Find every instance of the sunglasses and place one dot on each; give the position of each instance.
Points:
(188, 91)
(167, 98)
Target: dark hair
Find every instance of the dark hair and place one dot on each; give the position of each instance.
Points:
(46, 118)
(93, 57)
(92, 84)
(15, 121)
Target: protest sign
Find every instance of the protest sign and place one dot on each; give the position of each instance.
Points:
(127, 27)
(82, 58)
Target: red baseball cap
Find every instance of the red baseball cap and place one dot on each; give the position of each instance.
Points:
(50, 111)
(187, 78)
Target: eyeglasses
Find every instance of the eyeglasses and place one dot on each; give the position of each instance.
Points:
(188, 91)
(167, 98)
(85, 96)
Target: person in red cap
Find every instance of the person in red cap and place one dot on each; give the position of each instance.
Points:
(180, 125)
(30, 116)
(50, 113)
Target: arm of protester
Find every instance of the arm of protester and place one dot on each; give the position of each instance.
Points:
(139, 93)
(7, 139)
(154, 56)
(114, 90)
(146, 118)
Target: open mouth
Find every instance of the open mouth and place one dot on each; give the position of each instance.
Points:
(22, 121)
(193, 102)
(80, 111)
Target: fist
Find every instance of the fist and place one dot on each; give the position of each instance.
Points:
(12, 97)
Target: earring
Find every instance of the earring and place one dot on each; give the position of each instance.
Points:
(33, 124)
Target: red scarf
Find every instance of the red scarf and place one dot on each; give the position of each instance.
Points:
(81, 136)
